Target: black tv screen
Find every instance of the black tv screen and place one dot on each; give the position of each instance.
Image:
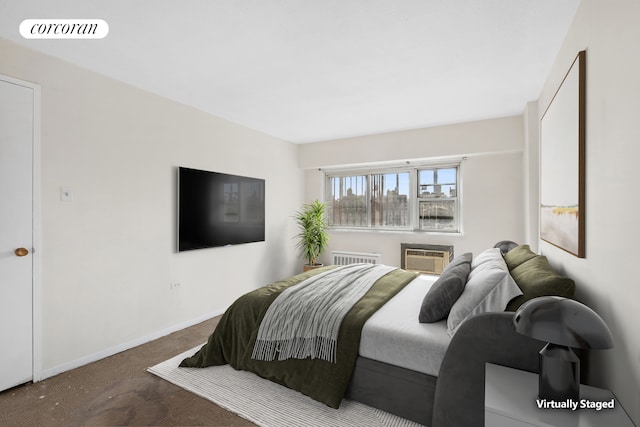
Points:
(217, 209)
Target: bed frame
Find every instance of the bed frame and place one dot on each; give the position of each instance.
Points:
(393, 389)
(456, 397)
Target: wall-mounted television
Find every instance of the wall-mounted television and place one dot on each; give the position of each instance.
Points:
(218, 209)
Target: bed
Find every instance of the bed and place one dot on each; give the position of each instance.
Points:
(384, 356)
(399, 358)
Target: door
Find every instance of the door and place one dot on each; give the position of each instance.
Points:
(16, 232)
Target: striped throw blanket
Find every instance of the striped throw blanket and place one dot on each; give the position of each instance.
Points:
(304, 320)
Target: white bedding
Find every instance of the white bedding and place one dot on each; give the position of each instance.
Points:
(393, 334)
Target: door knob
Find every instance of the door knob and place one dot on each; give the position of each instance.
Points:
(22, 252)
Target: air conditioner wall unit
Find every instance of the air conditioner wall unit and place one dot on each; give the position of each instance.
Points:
(426, 260)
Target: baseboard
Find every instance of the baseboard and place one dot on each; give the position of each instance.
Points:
(48, 373)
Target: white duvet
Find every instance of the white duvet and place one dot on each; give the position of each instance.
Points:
(393, 334)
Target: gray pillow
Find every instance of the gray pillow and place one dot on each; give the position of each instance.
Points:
(444, 293)
(460, 259)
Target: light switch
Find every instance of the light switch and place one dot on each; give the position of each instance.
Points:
(66, 195)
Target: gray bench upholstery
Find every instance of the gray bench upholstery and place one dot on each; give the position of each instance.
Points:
(485, 338)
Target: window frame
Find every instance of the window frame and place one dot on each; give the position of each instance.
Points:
(456, 199)
(414, 196)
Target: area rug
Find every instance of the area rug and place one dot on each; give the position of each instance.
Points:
(266, 403)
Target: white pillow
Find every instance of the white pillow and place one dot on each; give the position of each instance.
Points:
(487, 256)
(492, 264)
(489, 287)
(491, 258)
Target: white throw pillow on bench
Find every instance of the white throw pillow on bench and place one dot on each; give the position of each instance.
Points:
(489, 287)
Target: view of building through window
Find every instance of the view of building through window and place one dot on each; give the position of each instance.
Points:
(424, 198)
(390, 200)
(437, 199)
(348, 201)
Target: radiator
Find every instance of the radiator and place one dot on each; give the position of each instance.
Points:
(345, 258)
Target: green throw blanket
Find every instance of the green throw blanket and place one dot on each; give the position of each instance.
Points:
(233, 340)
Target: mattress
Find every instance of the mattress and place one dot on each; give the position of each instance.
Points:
(393, 334)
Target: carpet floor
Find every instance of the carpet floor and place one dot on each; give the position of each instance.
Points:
(118, 391)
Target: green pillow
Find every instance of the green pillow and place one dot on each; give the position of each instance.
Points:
(536, 278)
(518, 255)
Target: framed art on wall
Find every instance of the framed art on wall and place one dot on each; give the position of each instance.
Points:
(562, 163)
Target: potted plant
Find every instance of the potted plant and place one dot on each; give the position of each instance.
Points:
(312, 238)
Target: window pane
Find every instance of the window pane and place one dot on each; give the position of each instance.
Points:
(437, 215)
(347, 201)
(447, 176)
(449, 190)
(437, 183)
(437, 191)
(390, 200)
(426, 176)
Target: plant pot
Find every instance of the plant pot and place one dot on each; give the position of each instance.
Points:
(308, 267)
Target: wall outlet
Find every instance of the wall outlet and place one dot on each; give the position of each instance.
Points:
(174, 285)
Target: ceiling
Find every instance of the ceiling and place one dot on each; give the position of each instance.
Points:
(312, 70)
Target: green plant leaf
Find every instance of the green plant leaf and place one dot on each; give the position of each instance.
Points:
(312, 236)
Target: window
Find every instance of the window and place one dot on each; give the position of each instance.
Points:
(348, 202)
(438, 199)
(390, 200)
(418, 198)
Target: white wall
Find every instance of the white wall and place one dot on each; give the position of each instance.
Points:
(491, 182)
(109, 256)
(607, 278)
(530, 170)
